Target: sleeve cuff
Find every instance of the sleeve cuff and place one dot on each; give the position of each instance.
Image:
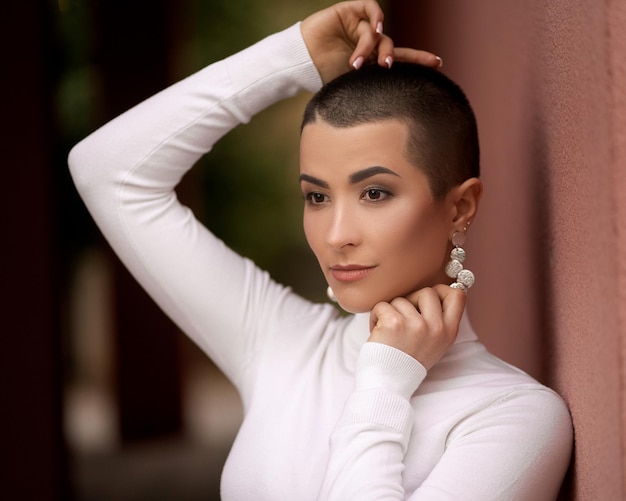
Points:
(382, 366)
(277, 67)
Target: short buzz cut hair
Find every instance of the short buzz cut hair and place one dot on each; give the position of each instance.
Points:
(443, 136)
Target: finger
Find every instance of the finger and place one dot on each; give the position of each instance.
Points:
(368, 10)
(375, 14)
(398, 324)
(452, 304)
(365, 45)
(423, 57)
(385, 51)
(395, 314)
(380, 313)
(405, 307)
(428, 302)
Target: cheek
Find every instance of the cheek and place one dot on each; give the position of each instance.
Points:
(311, 229)
(422, 240)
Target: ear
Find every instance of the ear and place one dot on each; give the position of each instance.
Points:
(464, 199)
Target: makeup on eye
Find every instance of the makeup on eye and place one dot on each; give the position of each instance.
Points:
(373, 193)
(315, 198)
(354, 178)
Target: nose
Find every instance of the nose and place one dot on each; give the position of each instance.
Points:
(343, 229)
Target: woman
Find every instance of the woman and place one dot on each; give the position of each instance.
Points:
(398, 400)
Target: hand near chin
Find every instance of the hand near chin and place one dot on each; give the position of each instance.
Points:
(342, 37)
(423, 324)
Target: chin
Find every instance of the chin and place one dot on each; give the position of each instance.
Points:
(354, 309)
(355, 301)
(352, 304)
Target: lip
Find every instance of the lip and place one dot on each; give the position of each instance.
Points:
(350, 273)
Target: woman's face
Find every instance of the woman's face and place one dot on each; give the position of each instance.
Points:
(369, 215)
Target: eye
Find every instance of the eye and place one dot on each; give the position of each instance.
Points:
(375, 194)
(315, 198)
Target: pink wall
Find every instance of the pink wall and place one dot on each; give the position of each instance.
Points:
(548, 84)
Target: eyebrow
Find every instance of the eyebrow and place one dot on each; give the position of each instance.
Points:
(314, 180)
(369, 172)
(354, 178)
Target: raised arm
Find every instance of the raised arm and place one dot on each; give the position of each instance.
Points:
(127, 171)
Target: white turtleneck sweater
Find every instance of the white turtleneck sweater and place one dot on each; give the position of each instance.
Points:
(327, 415)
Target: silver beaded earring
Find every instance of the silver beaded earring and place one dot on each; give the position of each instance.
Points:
(331, 295)
(464, 279)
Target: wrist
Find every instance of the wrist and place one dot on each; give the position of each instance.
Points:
(382, 366)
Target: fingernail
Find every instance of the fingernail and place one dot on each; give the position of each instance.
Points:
(389, 61)
(379, 28)
(358, 62)
(440, 62)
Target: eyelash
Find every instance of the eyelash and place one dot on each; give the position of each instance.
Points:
(309, 198)
(384, 194)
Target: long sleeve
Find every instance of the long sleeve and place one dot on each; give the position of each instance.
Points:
(517, 447)
(368, 444)
(126, 173)
(500, 441)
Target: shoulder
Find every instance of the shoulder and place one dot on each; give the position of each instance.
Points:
(473, 382)
(471, 365)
